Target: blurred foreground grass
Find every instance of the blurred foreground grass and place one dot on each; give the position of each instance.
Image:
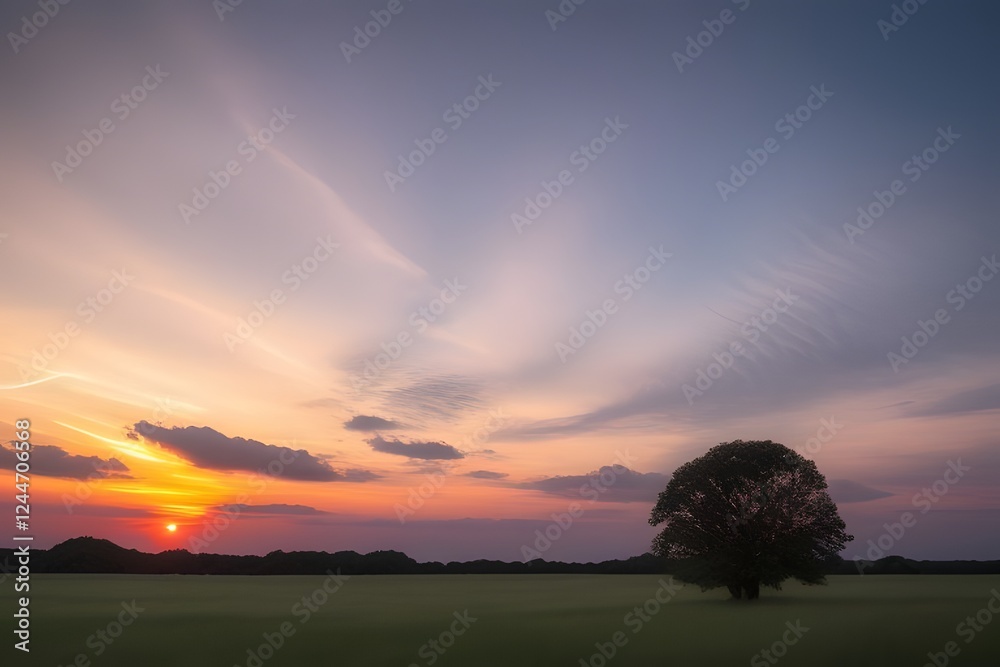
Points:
(544, 620)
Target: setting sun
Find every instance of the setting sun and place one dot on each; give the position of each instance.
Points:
(171, 527)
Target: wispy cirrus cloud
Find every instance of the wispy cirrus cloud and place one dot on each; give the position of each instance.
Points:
(421, 397)
(971, 400)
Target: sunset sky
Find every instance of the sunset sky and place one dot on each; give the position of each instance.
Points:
(209, 288)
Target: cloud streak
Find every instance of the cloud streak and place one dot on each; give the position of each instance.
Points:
(486, 474)
(272, 509)
(848, 491)
(612, 484)
(971, 400)
(53, 461)
(370, 423)
(416, 449)
(207, 448)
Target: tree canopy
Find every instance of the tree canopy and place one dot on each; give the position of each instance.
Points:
(746, 514)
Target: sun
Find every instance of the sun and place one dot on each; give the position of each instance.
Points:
(171, 527)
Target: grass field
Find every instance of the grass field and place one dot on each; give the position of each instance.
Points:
(519, 621)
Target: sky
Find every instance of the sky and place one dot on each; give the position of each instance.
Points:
(470, 280)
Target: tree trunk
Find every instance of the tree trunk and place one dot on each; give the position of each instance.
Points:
(734, 590)
(752, 589)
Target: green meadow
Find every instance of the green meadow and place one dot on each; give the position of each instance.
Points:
(503, 620)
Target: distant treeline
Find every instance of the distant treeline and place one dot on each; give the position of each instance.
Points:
(91, 555)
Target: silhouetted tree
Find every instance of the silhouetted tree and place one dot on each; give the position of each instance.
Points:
(748, 514)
